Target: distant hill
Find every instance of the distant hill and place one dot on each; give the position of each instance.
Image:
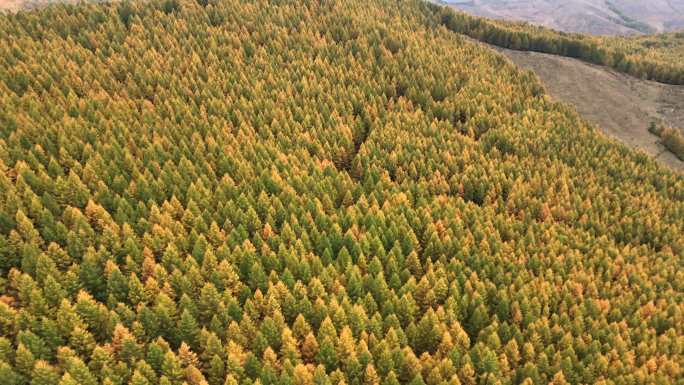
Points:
(599, 17)
(17, 5)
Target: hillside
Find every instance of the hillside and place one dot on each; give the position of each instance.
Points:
(609, 17)
(640, 113)
(620, 105)
(666, 49)
(18, 5)
(652, 57)
(276, 192)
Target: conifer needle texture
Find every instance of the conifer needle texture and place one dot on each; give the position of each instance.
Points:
(316, 192)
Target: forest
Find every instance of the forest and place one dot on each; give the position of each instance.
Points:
(281, 192)
(652, 57)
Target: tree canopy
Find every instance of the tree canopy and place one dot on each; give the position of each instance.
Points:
(341, 192)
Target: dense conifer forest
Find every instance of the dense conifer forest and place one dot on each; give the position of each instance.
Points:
(654, 57)
(281, 192)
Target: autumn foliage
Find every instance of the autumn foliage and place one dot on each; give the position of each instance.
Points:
(653, 57)
(316, 192)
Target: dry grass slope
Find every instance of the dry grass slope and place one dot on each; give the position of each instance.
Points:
(620, 105)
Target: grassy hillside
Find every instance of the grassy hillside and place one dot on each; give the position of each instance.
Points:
(652, 57)
(619, 105)
(303, 192)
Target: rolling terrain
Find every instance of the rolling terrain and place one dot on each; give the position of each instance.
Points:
(620, 105)
(604, 80)
(600, 17)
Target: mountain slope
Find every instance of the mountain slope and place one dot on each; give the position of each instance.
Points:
(653, 57)
(316, 192)
(620, 105)
(608, 17)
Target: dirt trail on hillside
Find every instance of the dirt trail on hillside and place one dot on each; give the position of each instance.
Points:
(620, 105)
